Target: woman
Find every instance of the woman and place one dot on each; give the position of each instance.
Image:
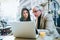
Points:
(25, 15)
(44, 22)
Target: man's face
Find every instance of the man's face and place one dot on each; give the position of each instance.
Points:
(36, 12)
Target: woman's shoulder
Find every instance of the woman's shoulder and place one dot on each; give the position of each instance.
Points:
(48, 16)
(20, 19)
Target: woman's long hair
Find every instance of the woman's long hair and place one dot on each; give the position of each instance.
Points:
(22, 17)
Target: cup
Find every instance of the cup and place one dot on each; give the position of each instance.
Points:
(42, 34)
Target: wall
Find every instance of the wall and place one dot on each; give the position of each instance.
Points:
(9, 9)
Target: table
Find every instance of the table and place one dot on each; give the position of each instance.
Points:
(13, 38)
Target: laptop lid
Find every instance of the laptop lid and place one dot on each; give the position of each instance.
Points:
(24, 29)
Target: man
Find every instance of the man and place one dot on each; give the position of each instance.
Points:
(44, 22)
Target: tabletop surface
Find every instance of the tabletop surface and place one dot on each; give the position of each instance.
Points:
(14, 38)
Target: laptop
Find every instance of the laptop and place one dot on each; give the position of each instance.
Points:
(24, 29)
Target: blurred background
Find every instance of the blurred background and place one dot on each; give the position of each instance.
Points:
(10, 10)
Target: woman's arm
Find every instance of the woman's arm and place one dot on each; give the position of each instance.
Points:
(50, 25)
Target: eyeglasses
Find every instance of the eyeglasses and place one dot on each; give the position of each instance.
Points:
(35, 11)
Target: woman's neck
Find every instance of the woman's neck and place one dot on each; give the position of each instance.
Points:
(25, 18)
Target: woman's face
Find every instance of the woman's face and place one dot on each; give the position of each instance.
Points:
(25, 14)
(36, 12)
